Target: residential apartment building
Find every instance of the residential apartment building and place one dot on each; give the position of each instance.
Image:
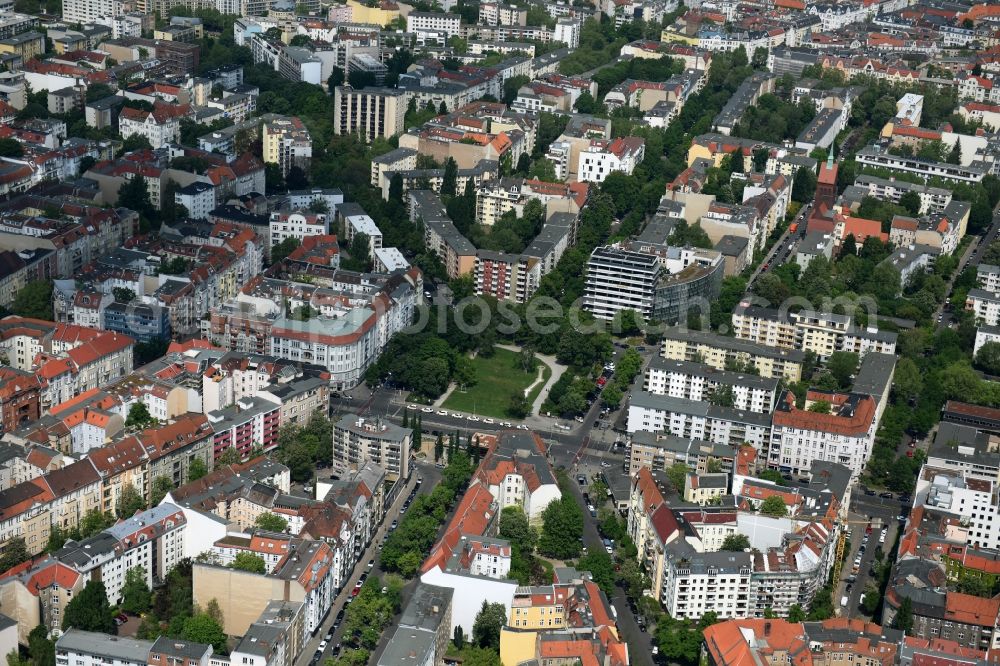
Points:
(357, 441)
(152, 539)
(370, 113)
(726, 353)
(160, 126)
(602, 157)
(286, 142)
(699, 382)
(304, 575)
(692, 420)
(844, 436)
(808, 330)
(297, 224)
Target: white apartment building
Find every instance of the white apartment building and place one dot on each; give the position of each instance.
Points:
(699, 382)
(357, 441)
(87, 11)
(87, 648)
(567, 31)
(297, 224)
(988, 277)
(152, 539)
(363, 224)
(691, 419)
(973, 500)
(985, 305)
(845, 436)
(160, 126)
(433, 22)
(602, 157)
(986, 334)
(198, 199)
(696, 583)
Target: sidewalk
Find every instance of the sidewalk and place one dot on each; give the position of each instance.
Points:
(557, 372)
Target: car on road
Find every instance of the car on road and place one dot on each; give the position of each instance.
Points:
(885, 495)
(420, 480)
(506, 424)
(427, 410)
(340, 617)
(371, 563)
(328, 637)
(411, 407)
(605, 463)
(322, 645)
(443, 412)
(521, 426)
(355, 591)
(489, 421)
(472, 417)
(394, 525)
(609, 550)
(869, 493)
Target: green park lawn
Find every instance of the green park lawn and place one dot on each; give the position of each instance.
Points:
(497, 378)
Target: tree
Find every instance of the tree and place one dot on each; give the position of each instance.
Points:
(820, 407)
(515, 528)
(296, 178)
(955, 156)
(14, 552)
(10, 148)
(677, 474)
(201, 628)
(842, 366)
(129, 502)
(247, 561)
(736, 542)
(904, 616)
(136, 142)
(459, 637)
(438, 447)
(335, 79)
(161, 486)
(57, 539)
(523, 164)
(774, 507)
(197, 469)
(34, 300)
(612, 396)
(89, 610)
(562, 528)
(911, 202)
(518, 407)
(804, 186)
(40, 648)
(396, 187)
(988, 358)
(443, 108)
(139, 416)
(95, 521)
(907, 380)
(283, 249)
(136, 597)
(796, 614)
(271, 523)
(585, 103)
(448, 181)
(489, 621)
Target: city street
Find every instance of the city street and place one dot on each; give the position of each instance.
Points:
(640, 644)
(783, 248)
(431, 476)
(866, 509)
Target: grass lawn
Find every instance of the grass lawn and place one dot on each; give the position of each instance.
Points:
(497, 378)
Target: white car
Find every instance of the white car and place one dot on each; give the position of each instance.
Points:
(506, 424)
(472, 417)
(521, 426)
(427, 410)
(443, 412)
(490, 421)
(610, 550)
(411, 406)
(322, 645)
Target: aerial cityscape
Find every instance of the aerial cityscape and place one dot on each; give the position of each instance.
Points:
(499, 332)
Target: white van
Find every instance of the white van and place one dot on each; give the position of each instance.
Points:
(843, 601)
